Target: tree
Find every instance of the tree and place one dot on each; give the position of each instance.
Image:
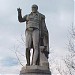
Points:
(69, 60)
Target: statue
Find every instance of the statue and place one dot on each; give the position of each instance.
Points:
(37, 36)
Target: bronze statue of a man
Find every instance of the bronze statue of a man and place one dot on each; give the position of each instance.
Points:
(35, 29)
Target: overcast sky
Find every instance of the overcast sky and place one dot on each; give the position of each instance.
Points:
(59, 16)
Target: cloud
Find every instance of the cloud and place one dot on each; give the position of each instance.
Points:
(10, 70)
(9, 61)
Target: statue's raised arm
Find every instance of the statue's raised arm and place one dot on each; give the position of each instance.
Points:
(20, 18)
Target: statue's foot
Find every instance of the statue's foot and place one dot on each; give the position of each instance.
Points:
(27, 64)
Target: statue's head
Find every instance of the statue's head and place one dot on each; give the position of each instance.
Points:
(34, 8)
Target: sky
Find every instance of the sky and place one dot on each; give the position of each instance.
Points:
(59, 17)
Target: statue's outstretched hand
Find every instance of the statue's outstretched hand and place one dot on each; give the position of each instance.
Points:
(19, 10)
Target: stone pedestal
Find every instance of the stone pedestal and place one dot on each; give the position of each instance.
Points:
(35, 70)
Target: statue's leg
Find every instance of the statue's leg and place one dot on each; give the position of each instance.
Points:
(28, 46)
(32, 56)
(35, 37)
(28, 56)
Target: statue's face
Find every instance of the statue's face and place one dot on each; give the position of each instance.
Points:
(34, 9)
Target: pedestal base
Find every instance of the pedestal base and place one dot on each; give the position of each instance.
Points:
(35, 70)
